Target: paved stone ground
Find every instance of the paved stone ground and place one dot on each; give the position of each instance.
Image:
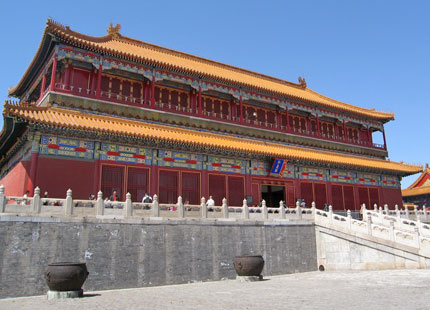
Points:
(388, 289)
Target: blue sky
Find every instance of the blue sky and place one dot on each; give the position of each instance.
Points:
(373, 54)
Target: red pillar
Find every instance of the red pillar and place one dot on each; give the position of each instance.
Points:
(200, 102)
(153, 92)
(248, 185)
(96, 181)
(233, 109)
(154, 180)
(385, 141)
(31, 184)
(287, 116)
(329, 194)
(42, 88)
(370, 137)
(54, 70)
(308, 125)
(336, 131)
(99, 81)
(318, 127)
(297, 187)
(345, 133)
(204, 183)
(241, 109)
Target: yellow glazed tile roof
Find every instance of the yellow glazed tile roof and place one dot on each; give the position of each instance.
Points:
(63, 118)
(416, 191)
(116, 44)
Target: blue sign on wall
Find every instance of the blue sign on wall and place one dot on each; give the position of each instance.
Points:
(278, 167)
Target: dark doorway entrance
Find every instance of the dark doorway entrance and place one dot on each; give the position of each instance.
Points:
(272, 195)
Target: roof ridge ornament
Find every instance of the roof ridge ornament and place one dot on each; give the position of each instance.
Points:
(302, 82)
(114, 31)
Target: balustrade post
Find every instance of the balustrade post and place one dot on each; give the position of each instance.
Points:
(2, 199)
(330, 213)
(406, 212)
(396, 209)
(155, 207)
(180, 207)
(36, 200)
(245, 209)
(100, 204)
(348, 218)
(380, 210)
(386, 209)
(392, 233)
(416, 211)
(375, 207)
(298, 210)
(225, 208)
(128, 205)
(204, 208)
(425, 213)
(313, 206)
(282, 209)
(69, 202)
(264, 209)
(417, 236)
(369, 224)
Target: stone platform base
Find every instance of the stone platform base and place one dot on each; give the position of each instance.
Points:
(65, 294)
(249, 279)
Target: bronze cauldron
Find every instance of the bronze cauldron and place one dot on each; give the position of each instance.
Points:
(249, 265)
(66, 276)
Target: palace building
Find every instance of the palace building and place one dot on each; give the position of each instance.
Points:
(418, 193)
(116, 113)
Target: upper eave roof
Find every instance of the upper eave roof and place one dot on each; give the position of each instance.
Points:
(64, 118)
(139, 51)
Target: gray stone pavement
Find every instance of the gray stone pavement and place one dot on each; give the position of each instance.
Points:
(388, 289)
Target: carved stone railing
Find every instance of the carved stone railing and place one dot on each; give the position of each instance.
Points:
(60, 207)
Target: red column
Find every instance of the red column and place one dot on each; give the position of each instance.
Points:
(93, 82)
(153, 92)
(278, 120)
(335, 131)
(308, 125)
(385, 141)
(370, 137)
(67, 76)
(241, 109)
(31, 184)
(297, 187)
(329, 194)
(345, 133)
(99, 81)
(248, 185)
(96, 181)
(318, 127)
(200, 102)
(42, 88)
(204, 183)
(288, 120)
(154, 180)
(54, 70)
(233, 109)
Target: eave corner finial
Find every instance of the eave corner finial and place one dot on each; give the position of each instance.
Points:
(302, 82)
(114, 31)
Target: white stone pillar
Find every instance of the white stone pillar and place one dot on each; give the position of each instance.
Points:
(69, 202)
(2, 199)
(36, 200)
(396, 210)
(225, 208)
(298, 211)
(281, 210)
(406, 212)
(416, 211)
(155, 206)
(375, 207)
(348, 219)
(128, 205)
(180, 208)
(386, 209)
(369, 224)
(100, 204)
(380, 210)
(330, 213)
(392, 233)
(204, 208)
(264, 211)
(245, 210)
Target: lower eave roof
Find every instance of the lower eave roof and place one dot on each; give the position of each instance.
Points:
(78, 120)
(425, 190)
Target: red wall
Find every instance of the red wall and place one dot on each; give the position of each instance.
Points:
(391, 196)
(15, 181)
(58, 175)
